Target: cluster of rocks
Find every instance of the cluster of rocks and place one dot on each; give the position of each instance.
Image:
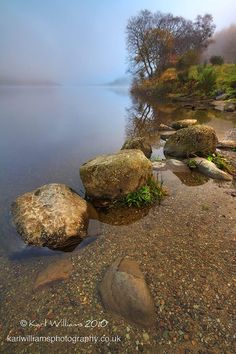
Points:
(223, 106)
(55, 216)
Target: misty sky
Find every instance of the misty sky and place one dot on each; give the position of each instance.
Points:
(82, 41)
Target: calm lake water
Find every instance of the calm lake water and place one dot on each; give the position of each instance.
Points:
(46, 133)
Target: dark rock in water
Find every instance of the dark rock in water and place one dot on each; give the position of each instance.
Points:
(184, 123)
(194, 140)
(138, 143)
(52, 215)
(57, 271)
(209, 169)
(124, 291)
(110, 177)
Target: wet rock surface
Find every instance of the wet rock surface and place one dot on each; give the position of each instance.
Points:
(209, 169)
(52, 215)
(138, 143)
(166, 134)
(124, 291)
(110, 177)
(184, 123)
(164, 127)
(197, 139)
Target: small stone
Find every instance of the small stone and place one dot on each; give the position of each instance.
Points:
(145, 336)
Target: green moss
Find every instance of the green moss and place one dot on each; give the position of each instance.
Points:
(148, 194)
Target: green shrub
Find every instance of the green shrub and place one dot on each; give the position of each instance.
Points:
(217, 60)
(206, 79)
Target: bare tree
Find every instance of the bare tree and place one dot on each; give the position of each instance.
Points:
(154, 41)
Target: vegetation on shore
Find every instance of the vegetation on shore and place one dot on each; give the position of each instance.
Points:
(165, 55)
(202, 81)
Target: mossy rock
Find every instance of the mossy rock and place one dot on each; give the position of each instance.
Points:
(138, 143)
(110, 177)
(195, 140)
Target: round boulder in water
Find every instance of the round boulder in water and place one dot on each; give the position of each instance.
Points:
(52, 215)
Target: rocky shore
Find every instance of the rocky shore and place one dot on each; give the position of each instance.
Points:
(160, 282)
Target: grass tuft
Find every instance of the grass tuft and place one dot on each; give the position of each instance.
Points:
(148, 194)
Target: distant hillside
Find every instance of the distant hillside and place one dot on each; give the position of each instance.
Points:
(32, 82)
(121, 81)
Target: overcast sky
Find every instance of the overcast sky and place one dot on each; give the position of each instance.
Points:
(82, 41)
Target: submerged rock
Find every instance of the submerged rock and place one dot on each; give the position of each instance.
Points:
(110, 177)
(170, 164)
(177, 166)
(52, 215)
(184, 123)
(209, 169)
(124, 291)
(159, 165)
(57, 271)
(140, 144)
(198, 140)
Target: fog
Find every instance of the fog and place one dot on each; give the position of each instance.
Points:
(224, 44)
(81, 41)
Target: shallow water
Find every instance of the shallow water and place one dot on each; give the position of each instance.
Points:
(46, 133)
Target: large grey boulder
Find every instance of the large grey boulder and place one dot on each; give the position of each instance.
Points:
(124, 291)
(209, 169)
(111, 177)
(184, 123)
(138, 143)
(52, 215)
(195, 140)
